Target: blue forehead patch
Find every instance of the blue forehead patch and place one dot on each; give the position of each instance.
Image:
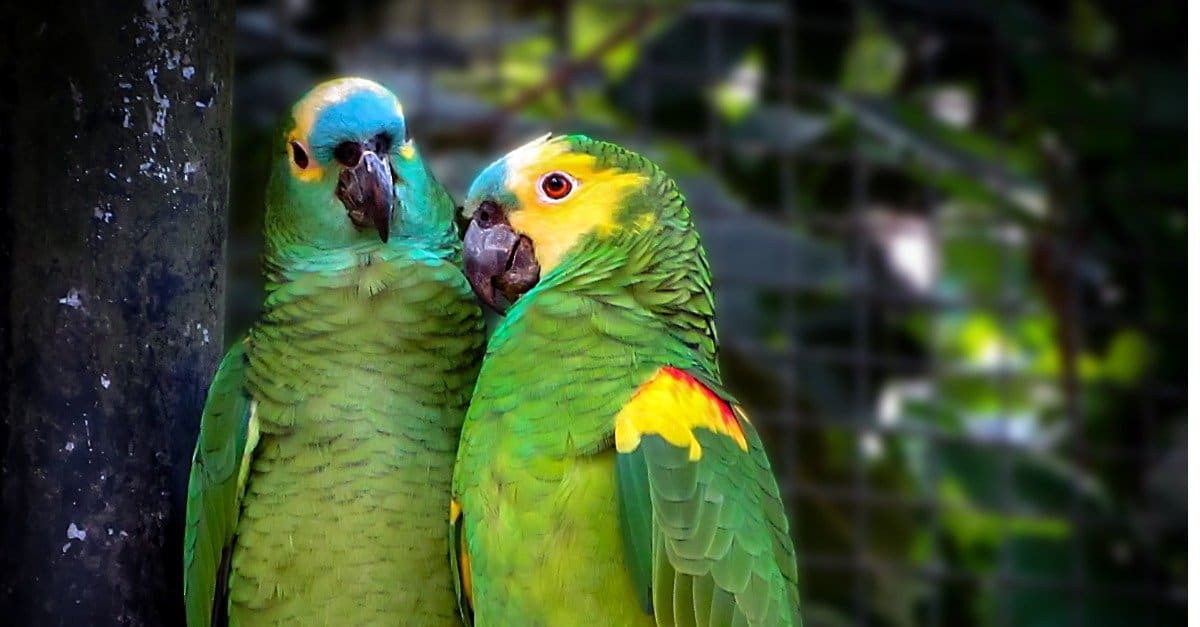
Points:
(361, 115)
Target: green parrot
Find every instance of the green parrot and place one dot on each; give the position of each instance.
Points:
(605, 476)
(318, 488)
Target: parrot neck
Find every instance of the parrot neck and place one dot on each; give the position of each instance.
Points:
(283, 264)
(657, 278)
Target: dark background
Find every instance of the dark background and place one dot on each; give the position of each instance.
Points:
(948, 240)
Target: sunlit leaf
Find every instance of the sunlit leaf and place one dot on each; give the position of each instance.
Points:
(875, 61)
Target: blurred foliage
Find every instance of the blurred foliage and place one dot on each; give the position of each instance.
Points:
(947, 240)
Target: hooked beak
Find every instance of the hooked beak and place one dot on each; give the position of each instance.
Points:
(495, 257)
(366, 190)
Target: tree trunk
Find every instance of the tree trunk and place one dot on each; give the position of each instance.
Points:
(114, 144)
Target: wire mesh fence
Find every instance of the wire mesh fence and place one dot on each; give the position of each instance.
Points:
(954, 353)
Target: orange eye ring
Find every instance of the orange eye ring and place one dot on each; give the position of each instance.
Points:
(555, 186)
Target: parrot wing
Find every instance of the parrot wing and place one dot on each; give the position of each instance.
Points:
(228, 435)
(460, 565)
(705, 533)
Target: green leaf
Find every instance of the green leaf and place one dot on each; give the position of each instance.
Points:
(1128, 358)
(741, 92)
(1090, 32)
(874, 62)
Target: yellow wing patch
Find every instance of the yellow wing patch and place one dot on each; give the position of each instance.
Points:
(554, 227)
(253, 434)
(673, 404)
(464, 560)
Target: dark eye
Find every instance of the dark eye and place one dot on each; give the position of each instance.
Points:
(557, 185)
(299, 156)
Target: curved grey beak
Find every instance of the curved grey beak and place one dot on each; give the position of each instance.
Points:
(495, 257)
(366, 191)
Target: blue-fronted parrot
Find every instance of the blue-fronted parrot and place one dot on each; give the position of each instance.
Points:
(320, 477)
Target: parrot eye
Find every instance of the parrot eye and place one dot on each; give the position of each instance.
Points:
(556, 186)
(299, 156)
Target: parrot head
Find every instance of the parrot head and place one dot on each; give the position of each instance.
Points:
(345, 170)
(551, 202)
